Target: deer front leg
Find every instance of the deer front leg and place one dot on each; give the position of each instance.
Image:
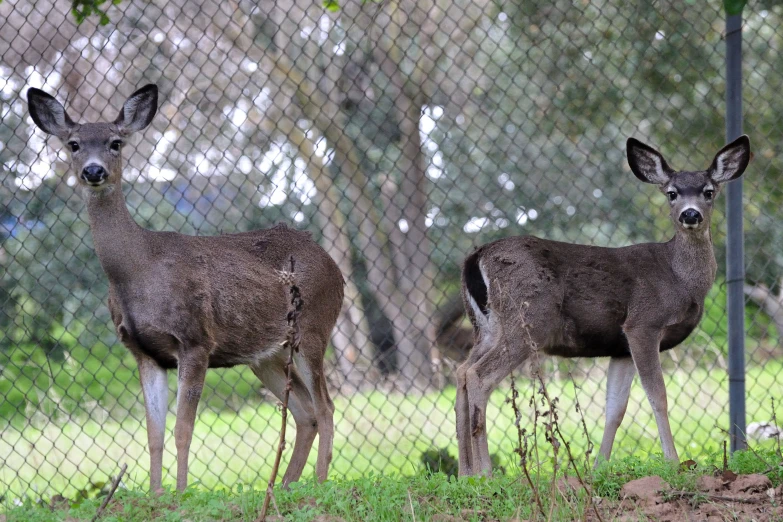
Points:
(618, 389)
(644, 346)
(190, 382)
(154, 386)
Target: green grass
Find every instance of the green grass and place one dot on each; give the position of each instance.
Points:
(376, 432)
(387, 498)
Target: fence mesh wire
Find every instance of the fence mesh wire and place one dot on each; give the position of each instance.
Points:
(400, 133)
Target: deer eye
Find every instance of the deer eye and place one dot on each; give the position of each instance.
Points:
(74, 146)
(115, 145)
(708, 194)
(672, 195)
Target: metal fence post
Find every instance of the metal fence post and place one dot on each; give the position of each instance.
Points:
(735, 264)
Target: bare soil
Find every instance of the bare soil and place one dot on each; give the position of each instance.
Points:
(719, 498)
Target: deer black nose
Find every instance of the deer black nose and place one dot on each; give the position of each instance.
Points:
(690, 216)
(93, 174)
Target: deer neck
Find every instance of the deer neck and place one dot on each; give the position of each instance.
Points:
(693, 259)
(118, 239)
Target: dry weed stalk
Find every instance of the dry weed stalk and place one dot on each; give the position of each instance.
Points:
(111, 493)
(292, 340)
(552, 431)
(780, 435)
(725, 457)
(579, 410)
(555, 430)
(522, 447)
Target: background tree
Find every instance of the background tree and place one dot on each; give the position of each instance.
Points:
(401, 133)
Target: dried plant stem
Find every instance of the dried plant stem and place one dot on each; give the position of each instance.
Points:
(552, 426)
(780, 435)
(556, 431)
(582, 420)
(587, 453)
(280, 444)
(522, 446)
(111, 493)
(292, 340)
(725, 457)
(522, 437)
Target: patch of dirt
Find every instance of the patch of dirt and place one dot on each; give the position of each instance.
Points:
(709, 483)
(750, 484)
(646, 490)
(720, 498)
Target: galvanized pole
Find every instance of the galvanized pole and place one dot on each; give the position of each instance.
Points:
(735, 263)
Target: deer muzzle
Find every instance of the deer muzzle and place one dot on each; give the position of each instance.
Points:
(691, 217)
(94, 174)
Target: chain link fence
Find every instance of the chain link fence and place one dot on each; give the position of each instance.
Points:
(402, 134)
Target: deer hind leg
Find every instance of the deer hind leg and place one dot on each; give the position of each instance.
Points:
(618, 389)
(462, 407)
(324, 410)
(300, 403)
(481, 378)
(309, 362)
(644, 346)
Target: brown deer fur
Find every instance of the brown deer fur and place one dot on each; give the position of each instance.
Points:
(194, 303)
(525, 293)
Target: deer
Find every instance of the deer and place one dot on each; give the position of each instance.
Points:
(196, 302)
(525, 295)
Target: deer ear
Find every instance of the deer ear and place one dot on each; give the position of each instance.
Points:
(139, 109)
(48, 114)
(730, 161)
(647, 163)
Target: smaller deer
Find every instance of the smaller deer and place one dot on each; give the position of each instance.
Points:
(193, 303)
(524, 294)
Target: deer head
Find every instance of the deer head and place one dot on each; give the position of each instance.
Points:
(95, 149)
(691, 194)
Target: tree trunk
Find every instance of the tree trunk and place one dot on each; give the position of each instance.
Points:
(412, 257)
(401, 276)
(350, 337)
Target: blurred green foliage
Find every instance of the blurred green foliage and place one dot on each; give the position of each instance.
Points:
(536, 148)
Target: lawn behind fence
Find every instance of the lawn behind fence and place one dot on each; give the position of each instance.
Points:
(376, 432)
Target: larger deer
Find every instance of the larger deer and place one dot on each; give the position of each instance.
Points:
(194, 303)
(524, 294)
